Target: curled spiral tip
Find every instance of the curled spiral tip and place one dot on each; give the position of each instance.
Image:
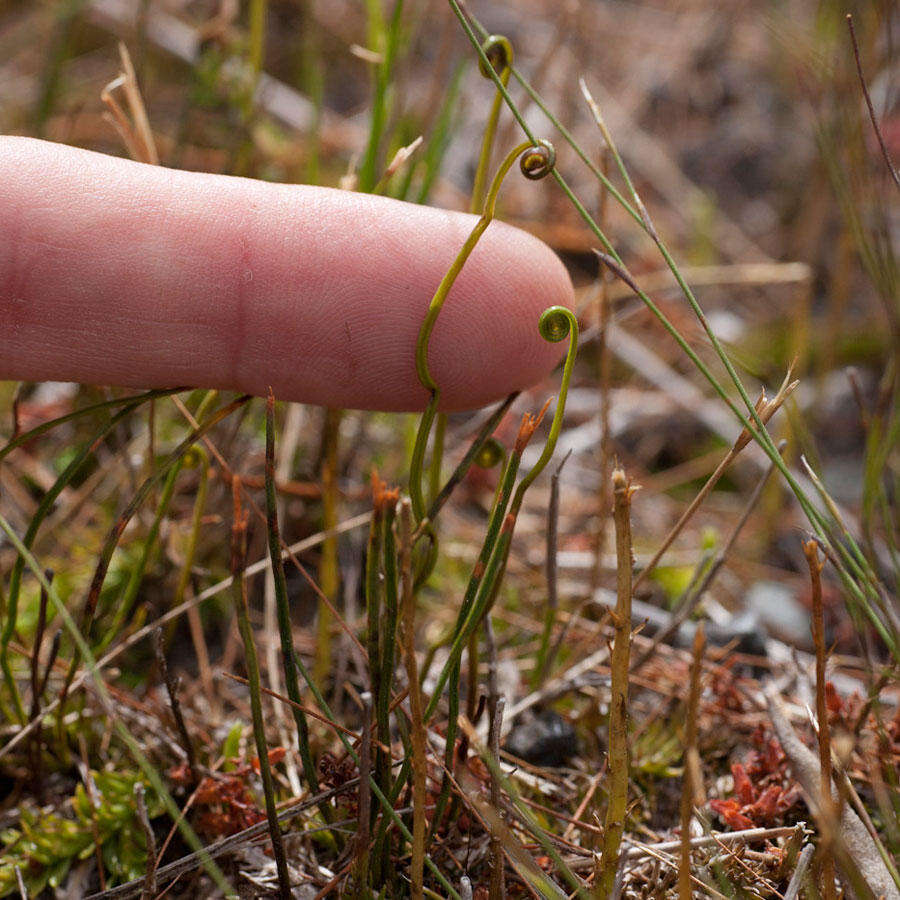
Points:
(538, 161)
(555, 323)
(490, 454)
(499, 52)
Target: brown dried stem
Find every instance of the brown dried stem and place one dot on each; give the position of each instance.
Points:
(171, 683)
(884, 151)
(829, 815)
(765, 409)
(618, 705)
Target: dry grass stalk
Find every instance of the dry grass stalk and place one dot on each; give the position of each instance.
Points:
(829, 815)
(329, 576)
(796, 882)
(135, 132)
(692, 781)
(766, 409)
(419, 744)
(618, 705)
(171, 683)
(862, 80)
(694, 595)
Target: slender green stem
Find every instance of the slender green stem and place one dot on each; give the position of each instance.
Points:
(475, 448)
(434, 309)
(132, 401)
(242, 611)
(127, 600)
(190, 551)
(257, 37)
(385, 40)
(437, 457)
(282, 605)
(556, 322)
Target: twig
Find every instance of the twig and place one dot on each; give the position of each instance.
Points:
(171, 683)
(796, 882)
(614, 825)
(865, 90)
(766, 409)
(20, 884)
(148, 891)
(306, 710)
(238, 543)
(638, 851)
(135, 133)
(692, 774)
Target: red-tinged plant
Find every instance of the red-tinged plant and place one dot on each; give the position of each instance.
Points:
(224, 803)
(763, 791)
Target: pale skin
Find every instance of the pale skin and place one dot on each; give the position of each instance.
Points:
(118, 273)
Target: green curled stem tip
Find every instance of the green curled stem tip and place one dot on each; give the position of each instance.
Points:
(555, 324)
(537, 160)
(440, 295)
(499, 53)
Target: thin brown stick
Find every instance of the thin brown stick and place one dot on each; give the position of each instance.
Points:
(614, 825)
(171, 683)
(692, 775)
(884, 151)
(829, 815)
(306, 710)
(796, 882)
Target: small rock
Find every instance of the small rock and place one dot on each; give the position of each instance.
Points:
(546, 740)
(779, 612)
